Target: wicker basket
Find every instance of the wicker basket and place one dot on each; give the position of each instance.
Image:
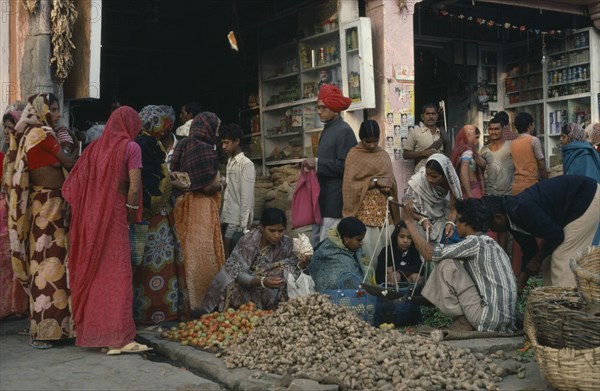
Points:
(586, 266)
(565, 369)
(563, 320)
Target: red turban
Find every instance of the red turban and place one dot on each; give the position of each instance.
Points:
(333, 98)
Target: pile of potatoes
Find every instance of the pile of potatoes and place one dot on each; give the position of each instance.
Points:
(312, 338)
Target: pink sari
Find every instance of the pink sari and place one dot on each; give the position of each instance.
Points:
(100, 270)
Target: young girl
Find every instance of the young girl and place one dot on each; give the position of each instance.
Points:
(405, 258)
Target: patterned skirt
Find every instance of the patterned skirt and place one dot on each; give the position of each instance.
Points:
(159, 287)
(44, 276)
(13, 299)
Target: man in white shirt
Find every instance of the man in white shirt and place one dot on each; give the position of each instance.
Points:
(238, 199)
(186, 116)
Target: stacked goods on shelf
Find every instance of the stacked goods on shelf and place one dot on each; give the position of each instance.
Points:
(563, 325)
(262, 186)
(283, 181)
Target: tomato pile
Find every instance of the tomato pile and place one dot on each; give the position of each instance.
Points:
(218, 329)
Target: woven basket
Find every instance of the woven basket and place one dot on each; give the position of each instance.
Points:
(565, 369)
(562, 319)
(586, 266)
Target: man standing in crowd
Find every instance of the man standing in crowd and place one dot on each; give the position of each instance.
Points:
(499, 169)
(507, 133)
(563, 211)
(186, 115)
(426, 139)
(238, 199)
(337, 138)
(528, 156)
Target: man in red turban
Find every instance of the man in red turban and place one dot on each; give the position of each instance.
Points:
(332, 97)
(337, 138)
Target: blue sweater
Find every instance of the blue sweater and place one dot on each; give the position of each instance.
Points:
(580, 158)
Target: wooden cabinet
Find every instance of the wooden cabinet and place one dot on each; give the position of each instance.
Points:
(291, 74)
(572, 83)
(558, 84)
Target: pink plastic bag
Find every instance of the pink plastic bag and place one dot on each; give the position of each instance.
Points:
(305, 201)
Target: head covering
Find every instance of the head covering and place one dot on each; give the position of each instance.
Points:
(92, 188)
(461, 144)
(196, 153)
(592, 133)
(360, 167)
(155, 174)
(574, 132)
(36, 112)
(155, 121)
(171, 114)
(431, 200)
(333, 98)
(13, 116)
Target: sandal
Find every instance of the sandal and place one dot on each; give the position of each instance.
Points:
(132, 347)
(40, 344)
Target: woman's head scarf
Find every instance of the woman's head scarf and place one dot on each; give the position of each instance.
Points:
(574, 132)
(592, 133)
(155, 121)
(196, 154)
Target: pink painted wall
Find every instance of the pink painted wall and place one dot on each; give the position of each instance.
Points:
(393, 50)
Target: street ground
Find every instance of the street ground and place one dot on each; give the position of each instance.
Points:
(174, 367)
(67, 367)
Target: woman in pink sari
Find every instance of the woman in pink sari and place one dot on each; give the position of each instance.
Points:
(469, 165)
(103, 190)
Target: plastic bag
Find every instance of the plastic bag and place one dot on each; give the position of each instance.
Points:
(301, 286)
(305, 201)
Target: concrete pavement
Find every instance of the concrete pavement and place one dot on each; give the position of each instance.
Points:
(23, 368)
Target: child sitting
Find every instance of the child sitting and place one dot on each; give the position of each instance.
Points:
(403, 261)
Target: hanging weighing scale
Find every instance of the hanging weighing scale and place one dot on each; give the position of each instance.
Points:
(391, 290)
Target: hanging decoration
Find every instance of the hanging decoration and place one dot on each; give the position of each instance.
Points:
(62, 19)
(30, 5)
(63, 16)
(493, 23)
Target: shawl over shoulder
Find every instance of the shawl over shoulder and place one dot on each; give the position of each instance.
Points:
(360, 167)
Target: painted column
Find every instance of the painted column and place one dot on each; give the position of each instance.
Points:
(393, 49)
(36, 75)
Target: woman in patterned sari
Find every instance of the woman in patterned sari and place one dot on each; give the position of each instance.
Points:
(159, 288)
(13, 300)
(197, 199)
(36, 222)
(257, 268)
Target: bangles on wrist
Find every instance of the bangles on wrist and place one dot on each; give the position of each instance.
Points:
(262, 282)
(134, 207)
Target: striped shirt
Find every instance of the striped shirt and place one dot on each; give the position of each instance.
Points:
(490, 269)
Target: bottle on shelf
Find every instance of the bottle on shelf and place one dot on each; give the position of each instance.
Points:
(354, 86)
